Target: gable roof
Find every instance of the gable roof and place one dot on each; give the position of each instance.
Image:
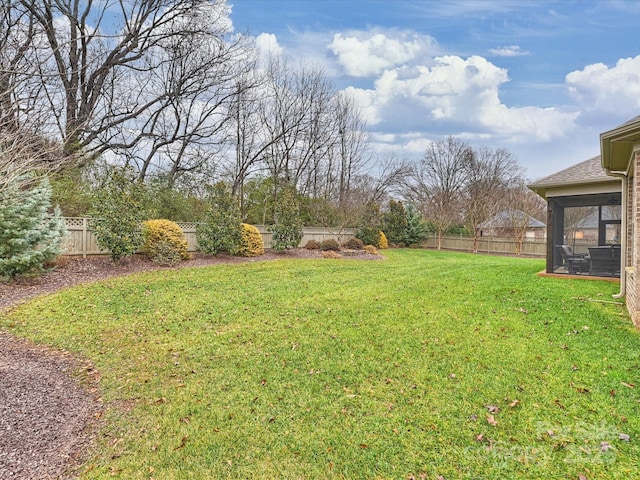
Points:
(585, 173)
(506, 217)
(588, 171)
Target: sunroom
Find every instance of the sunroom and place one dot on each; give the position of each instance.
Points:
(584, 212)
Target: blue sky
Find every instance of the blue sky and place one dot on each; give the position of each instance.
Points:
(541, 79)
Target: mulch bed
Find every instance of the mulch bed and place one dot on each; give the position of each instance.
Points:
(47, 417)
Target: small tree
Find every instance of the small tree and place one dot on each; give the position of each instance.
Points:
(395, 223)
(417, 229)
(221, 230)
(29, 235)
(118, 212)
(370, 225)
(288, 229)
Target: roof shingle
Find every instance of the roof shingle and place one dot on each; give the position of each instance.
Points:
(588, 171)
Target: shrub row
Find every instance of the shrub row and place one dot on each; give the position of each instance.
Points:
(351, 244)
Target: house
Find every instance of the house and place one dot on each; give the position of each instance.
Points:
(593, 225)
(583, 212)
(620, 158)
(512, 223)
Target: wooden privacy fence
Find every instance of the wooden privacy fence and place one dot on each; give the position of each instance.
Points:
(492, 245)
(82, 241)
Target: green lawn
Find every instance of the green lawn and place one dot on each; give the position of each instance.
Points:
(426, 364)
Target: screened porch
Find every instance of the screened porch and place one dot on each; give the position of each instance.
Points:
(584, 235)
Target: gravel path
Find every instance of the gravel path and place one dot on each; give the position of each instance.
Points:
(45, 416)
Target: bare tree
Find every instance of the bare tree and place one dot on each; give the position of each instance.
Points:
(100, 80)
(352, 146)
(25, 150)
(523, 206)
(436, 183)
(490, 174)
(188, 129)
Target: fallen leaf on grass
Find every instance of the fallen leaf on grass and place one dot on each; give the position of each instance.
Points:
(514, 403)
(182, 443)
(624, 437)
(605, 446)
(630, 385)
(491, 420)
(492, 408)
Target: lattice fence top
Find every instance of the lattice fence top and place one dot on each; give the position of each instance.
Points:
(187, 225)
(74, 222)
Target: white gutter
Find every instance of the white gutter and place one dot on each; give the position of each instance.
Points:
(623, 227)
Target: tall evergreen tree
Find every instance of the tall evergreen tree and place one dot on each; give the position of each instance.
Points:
(287, 230)
(417, 229)
(221, 230)
(118, 212)
(370, 224)
(395, 223)
(30, 235)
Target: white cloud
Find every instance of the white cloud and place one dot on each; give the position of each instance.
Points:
(365, 54)
(383, 137)
(419, 145)
(267, 45)
(367, 101)
(508, 51)
(604, 90)
(457, 91)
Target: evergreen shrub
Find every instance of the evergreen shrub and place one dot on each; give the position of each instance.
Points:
(312, 245)
(221, 231)
(118, 211)
(330, 244)
(383, 243)
(164, 242)
(353, 244)
(29, 236)
(251, 243)
(288, 229)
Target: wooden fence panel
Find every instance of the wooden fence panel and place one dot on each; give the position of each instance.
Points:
(82, 241)
(491, 245)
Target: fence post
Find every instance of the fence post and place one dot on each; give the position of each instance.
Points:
(84, 237)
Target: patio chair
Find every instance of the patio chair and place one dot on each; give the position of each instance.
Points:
(604, 260)
(575, 262)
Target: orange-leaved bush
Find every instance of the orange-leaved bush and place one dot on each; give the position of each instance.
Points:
(371, 250)
(164, 242)
(382, 241)
(251, 243)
